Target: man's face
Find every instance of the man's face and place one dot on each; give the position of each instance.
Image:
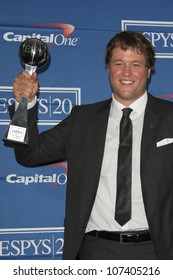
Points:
(128, 75)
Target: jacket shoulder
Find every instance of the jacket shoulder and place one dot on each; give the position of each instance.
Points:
(101, 105)
(159, 104)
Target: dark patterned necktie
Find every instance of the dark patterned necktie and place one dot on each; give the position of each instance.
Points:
(124, 170)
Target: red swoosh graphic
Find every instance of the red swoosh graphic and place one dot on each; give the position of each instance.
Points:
(61, 164)
(165, 96)
(68, 28)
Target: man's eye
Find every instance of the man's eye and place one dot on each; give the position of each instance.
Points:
(136, 65)
(118, 64)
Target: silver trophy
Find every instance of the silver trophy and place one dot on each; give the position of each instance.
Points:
(34, 55)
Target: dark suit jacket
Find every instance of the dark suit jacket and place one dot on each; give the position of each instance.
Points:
(80, 140)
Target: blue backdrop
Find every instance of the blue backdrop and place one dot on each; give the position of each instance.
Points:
(76, 32)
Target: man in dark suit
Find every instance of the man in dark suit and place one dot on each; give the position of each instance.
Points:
(89, 138)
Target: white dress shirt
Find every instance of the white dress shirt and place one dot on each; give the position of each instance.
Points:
(103, 212)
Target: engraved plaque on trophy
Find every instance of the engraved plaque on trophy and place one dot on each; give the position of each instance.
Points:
(34, 54)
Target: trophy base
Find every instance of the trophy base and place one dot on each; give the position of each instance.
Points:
(17, 129)
(17, 134)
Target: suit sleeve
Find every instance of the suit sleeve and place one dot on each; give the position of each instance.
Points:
(44, 148)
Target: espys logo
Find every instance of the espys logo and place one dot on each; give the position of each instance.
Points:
(51, 38)
(159, 33)
(55, 104)
(36, 242)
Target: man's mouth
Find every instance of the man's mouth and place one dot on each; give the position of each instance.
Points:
(126, 82)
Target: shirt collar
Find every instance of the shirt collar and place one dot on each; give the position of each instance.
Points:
(138, 106)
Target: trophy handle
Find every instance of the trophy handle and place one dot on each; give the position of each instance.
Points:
(30, 69)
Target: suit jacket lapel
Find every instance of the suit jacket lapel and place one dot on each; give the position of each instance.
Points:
(150, 123)
(148, 140)
(99, 128)
(100, 125)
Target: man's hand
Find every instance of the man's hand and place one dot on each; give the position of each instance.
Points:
(25, 85)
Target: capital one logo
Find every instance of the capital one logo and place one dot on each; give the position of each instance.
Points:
(61, 36)
(52, 179)
(159, 33)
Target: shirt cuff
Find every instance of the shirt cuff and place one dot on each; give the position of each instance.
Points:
(30, 104)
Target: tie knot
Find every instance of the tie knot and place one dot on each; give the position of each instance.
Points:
(126, 112)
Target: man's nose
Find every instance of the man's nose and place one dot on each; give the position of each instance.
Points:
(127, 70)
